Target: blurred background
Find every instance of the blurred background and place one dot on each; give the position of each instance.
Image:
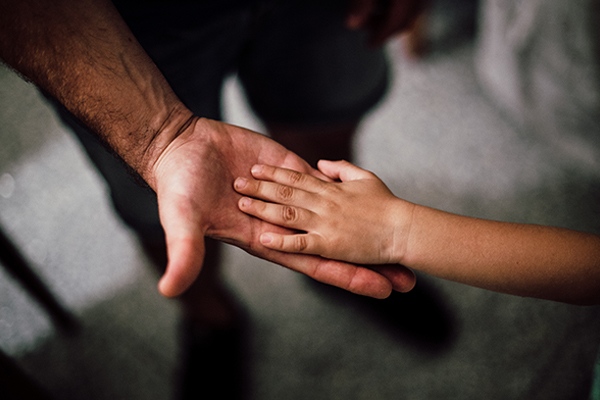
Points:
(499, 118)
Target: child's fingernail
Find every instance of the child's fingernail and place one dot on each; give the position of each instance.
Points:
(266, 238)
(240, 183)
(256, 169)
(245, 202)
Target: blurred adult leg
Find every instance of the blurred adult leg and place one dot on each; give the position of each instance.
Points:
(311, 80)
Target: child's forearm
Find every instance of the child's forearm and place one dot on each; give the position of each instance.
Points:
(360, 220)
(521, 259)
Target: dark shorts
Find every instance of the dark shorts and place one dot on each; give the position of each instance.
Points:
(297, 62)
(299, 67)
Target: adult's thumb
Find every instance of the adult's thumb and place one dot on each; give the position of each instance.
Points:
(186, 256)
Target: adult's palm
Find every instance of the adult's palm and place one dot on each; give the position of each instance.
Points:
(194, 178)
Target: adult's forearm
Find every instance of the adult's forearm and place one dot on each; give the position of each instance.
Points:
(82, 53)
(521, 259)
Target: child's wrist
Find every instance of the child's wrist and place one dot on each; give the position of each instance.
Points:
(403, 219)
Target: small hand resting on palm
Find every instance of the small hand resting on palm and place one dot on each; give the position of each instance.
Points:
(357, 219)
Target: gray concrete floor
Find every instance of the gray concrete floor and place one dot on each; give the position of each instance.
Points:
(436, 140)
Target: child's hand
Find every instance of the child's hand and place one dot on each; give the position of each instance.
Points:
(356, 220)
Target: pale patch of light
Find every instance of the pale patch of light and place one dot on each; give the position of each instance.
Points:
(7, 186)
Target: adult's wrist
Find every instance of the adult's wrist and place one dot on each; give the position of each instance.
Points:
(83, 54)
(175, 123)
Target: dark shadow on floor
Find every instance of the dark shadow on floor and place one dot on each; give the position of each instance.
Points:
(421, 320)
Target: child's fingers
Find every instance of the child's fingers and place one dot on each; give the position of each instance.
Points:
(343, 170)
(287, 177)
(300, 243)
(286, 216)
(273, 192)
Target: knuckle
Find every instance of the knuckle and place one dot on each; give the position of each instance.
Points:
(300, 243)
(289, 214)
(285, 192)
(295, 177)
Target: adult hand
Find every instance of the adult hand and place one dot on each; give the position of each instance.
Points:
(383, 18)
(193, 178)
(118, 92)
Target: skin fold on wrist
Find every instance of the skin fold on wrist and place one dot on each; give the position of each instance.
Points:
(403, 217)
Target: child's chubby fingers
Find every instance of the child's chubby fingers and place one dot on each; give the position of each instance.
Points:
(299, 243)
(288, 177)
(283, 215)
(273, 192)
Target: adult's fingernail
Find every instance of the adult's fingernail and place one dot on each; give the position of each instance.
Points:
(240, 183)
